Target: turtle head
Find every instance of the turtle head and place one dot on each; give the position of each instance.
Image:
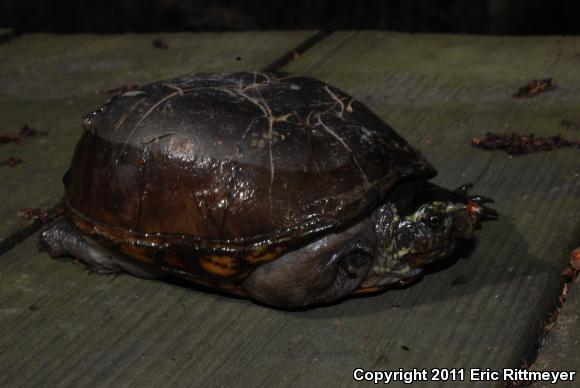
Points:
(426, 234)
(413, 236)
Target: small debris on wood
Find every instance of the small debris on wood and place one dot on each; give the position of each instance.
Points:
(552, 319)
(569, 273)
(575, 259)
(565, 291)
(405, 348)
(11, 161)
(31, 132)
(534, 88)
(238, 58)
(33, 307)
(44, 216)
(25, 131)
(160, 44)
(119, 90)
(6, 139)
(516, 144)
(33, 213)
(570, 124)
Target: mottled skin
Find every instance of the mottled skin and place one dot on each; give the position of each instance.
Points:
(391, 246)
(276, 187)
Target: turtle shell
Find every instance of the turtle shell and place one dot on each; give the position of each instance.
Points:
(233, 161)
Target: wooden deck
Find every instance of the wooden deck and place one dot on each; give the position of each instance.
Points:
(62, 325)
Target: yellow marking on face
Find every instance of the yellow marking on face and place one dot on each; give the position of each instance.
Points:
(402, 252)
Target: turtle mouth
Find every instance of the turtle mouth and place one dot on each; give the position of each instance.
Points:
(422, 258)
(375, 282)
(411, 269)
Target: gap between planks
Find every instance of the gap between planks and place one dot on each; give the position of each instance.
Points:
(297, 51)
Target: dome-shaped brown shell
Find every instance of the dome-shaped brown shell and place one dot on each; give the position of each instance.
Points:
(235, 159)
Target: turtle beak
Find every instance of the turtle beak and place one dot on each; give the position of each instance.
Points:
(470, 212)
(476, 208)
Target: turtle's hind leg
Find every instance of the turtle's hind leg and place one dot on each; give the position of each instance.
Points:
(63, 239)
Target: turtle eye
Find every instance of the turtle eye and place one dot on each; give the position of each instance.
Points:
(434, 221)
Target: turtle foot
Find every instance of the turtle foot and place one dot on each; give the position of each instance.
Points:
(62, 239)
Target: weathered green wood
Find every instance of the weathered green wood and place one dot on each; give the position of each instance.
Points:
(76, 66)
(559, 350)
(50, 81)
(60, 324)
(439, 92)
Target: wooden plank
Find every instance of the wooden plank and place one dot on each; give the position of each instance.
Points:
(50, 81)
(559, 350)
(439, 92)
(76, 66)
(64, 325)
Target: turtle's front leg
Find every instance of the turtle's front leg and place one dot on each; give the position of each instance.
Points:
(63, 239)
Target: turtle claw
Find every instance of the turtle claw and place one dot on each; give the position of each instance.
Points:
(480, 199)
(488, 213)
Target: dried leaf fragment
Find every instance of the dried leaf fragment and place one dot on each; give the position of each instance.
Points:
(521, 144)
(31, 132)
(25, 131)
(11, 161)
(7, 139)
(575, 259)
(534, 88)
(44, 216)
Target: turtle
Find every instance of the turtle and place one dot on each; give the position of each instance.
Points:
(269, 185)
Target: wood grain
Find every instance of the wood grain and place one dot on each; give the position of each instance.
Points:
(61, 325)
